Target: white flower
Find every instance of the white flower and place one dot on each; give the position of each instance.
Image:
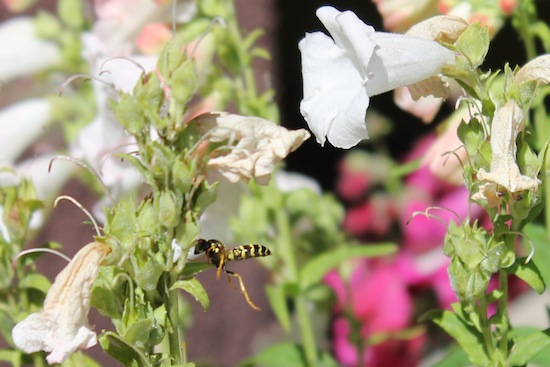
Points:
(22, 52)
(260, 144)
(504, 172)
(21, 124)
(340, 74)
(292, 181)
(62, 327)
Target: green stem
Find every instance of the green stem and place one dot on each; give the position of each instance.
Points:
(503, 312)
(246, 81)
(524, 29)
(306, 327)
(175, 336)
(486, 326)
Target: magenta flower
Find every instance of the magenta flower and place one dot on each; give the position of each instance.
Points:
(378, 299)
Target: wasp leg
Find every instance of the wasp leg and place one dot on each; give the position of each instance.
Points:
(229, 273)
(220, 266)
(243, 289)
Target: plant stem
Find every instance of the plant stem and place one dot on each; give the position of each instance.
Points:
(308, 337)
(503, 312)
(523, 29)
(246, 81)
(174, 337)
(485, 326)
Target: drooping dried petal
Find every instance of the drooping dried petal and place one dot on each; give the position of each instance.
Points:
(62, 327)
(260, 144)
(504, 172)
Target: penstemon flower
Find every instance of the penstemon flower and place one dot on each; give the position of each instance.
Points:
(62, 327)
(341, 74)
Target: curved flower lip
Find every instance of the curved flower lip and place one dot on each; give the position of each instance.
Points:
(62, 327)
(341, 73)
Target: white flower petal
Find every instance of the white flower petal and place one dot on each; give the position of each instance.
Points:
(292, 181)
(21, 124)
(537, 70)
(338, 116)
(341, 73)
(403, 60)
(62, 327)
(22, 52)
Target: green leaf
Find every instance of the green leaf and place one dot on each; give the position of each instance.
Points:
(527, 346)
(278, 355)
(528, 273)
(11, 356)
(455, 357)
(467, 336)
(118, 348)
(71, 12)
(149, 275)
(35, 281)
(315, 269)
(277, 299)
(537, 234)
(195, 289)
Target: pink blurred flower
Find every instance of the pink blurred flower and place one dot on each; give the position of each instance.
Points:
(400, 15)
(352, 186)
(374, 216)
(379, 301)
(152, 38)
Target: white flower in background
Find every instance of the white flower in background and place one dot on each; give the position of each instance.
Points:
(21, 124)
(62, 327)
(260, 144)
(292, 181)
(110, 50)
(22, 52)
(215, 221)
(341, 73)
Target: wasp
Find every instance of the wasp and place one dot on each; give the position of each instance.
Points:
(218, 255)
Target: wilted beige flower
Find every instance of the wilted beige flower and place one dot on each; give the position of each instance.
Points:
(504, 172)
(62, 327)
(441, 28)
(255, 144)
(537, 70)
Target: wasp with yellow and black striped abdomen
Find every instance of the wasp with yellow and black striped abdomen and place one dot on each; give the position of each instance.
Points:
(218, 255)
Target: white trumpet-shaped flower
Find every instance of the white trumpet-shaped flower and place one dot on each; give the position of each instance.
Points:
(341, 73)
(62, 327)
(22, 52)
